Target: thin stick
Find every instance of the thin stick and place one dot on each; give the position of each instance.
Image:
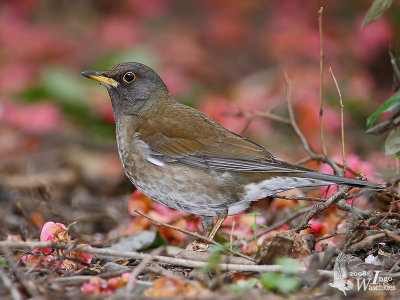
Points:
(341, 120)
(317, 209)
(231, 235)
(157, 258)
(321, 80)
(194, 234)
(300, 198)
(7, 283)
(74, 280)
(300, 135)
(282, 222)
(140, 267)
(328, 236)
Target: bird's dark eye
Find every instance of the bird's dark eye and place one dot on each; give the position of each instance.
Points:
(129, 77)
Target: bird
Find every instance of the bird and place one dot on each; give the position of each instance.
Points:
(180, 157)
(340, 276)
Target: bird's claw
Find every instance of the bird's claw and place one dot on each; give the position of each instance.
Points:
(199, 246)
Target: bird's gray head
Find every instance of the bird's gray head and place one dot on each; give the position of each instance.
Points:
(133, 87)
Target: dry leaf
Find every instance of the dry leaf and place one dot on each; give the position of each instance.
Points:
(170, 287)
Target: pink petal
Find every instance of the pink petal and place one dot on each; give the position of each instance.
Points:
(53, 231)
(88, 287)
(86, 257)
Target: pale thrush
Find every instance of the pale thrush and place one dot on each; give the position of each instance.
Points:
(178, 156)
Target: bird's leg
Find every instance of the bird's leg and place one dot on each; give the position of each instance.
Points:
(209, 231)
(208, 224)
(220, 220)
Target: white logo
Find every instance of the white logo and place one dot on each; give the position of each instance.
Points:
(366, 280)
(340, 275)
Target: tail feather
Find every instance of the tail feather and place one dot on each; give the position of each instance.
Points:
(346, 181)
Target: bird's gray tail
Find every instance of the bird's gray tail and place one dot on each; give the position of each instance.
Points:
(332, 179)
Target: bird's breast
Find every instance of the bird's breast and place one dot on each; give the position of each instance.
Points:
(194, 190)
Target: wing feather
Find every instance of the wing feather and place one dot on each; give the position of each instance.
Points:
(206, 144)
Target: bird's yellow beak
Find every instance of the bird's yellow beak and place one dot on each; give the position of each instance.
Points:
(98, 76)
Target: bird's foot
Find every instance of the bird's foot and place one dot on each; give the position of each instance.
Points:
(197, 245)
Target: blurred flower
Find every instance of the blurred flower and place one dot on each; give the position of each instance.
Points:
(148, 9)
(15, 77)
(317, 228)
(355, 163)
(140, 202)
(55, 232)
(38, 118)
(221, 110)
(98, 285)
(176, 81)
(226, 29)
(368, 42)
(118, 33)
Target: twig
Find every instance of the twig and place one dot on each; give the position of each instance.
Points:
(156, 269)
(27, 285)
(158, 223)
(343, 205)
(341, 119)
(272, 116)
(328, 236)
(259, 114)
(74, 280)
(317, 209)
(368, 242)
(176, 219)
(293, 122)
(139, 268)
(194, 234)
(321, 81)
(300, 135)
(156, 258)
(9, 285)
(300, 198)
(282, 222)
(60, 260)
(395, 237)
(231, 236)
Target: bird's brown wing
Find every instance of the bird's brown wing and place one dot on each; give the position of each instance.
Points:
(207, 145)
(189, 137)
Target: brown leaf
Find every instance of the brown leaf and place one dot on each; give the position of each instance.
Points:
(170, 287)
(285, 243)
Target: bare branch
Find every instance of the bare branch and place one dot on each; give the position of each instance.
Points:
(157, 258)
(194, 234)
(341, 119)
(321, 81)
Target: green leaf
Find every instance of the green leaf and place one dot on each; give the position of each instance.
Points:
(389, 104)
(378, 7)
(288, 284)
(270, 280)
(219, 248)
(392, 144)
(289, 266)
(255, 214)
(3, 262)
(64, 85)
(242, 286)
(213, 262)
(157, 242)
